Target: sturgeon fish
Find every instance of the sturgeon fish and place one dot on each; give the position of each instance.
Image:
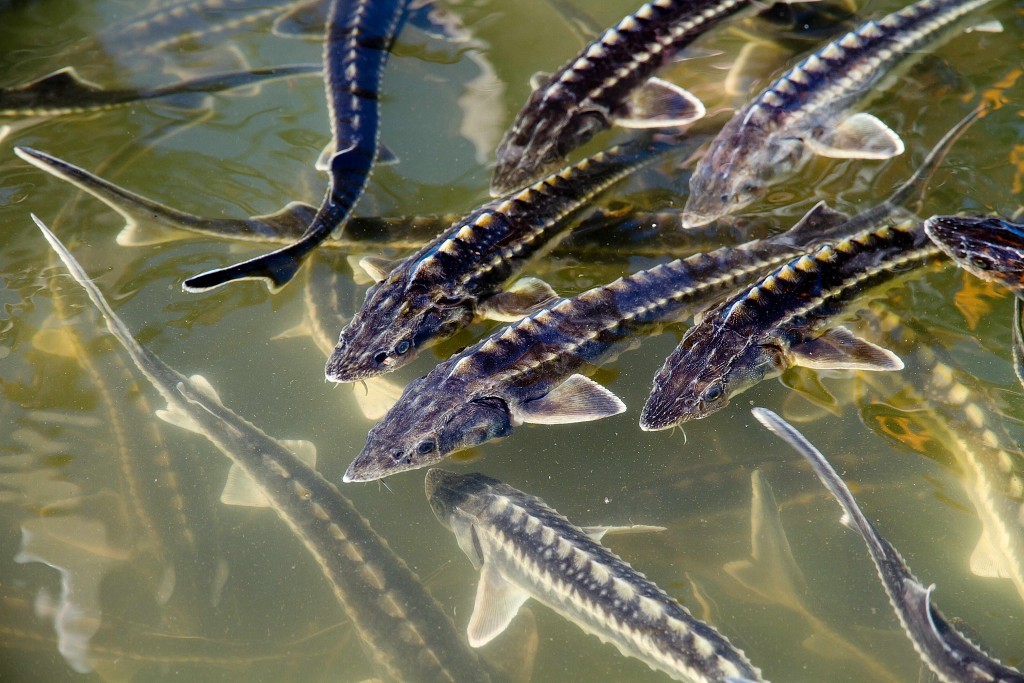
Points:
(358, 39)
(608, 82)
(945, 651)
(407, 632)
(525, 549)
(65, 92)
(459, 275)
(804, 112)
(785, 319)
(531, 370)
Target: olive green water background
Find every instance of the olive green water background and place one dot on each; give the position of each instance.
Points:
(84, 462)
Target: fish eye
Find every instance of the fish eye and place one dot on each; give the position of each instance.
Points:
(425, 447)
(980, 263)
(713, 393)
(403, 347)
(379, 358)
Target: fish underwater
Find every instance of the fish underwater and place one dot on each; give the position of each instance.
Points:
(951, 656)
(358, 40)
(525, 549)
(406, 631)
(459, 275)
(786, 319)
(530, 371)
(805, 111)
(608, 82)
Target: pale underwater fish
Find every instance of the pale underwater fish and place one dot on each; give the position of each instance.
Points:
(406, 632)
(952, 657)
(525, 549)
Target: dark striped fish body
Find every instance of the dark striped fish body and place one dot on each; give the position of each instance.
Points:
(530, 371)
(987, 247)
(783, 320)
(64, 92)
(358, 40)
(945, 651)
(805, 111)
(404, 629)
(592, 90)
(460, 274)
(525, 549)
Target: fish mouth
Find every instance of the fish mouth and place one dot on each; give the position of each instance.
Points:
(693, 219)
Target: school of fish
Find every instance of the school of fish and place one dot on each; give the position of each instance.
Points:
(759, 282)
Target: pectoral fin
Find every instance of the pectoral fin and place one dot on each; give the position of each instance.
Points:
(376, 267)
(539, 80)
(304, 21)
(599, 532)
(497, 602)
(577, 399)
(985, 560)
(816, 223)
(840, 349)
(660, 104)
(240, 489)
(524, 297)
(861, 136)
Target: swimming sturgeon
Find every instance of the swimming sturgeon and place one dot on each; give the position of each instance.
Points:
(525, 549)
(952, 657)
(459, 275)
(805, 111)
(359, 36)
(65, 92)
(405, 630)
(608, 82)
(991, 249)
(787, 318)
(531, 370)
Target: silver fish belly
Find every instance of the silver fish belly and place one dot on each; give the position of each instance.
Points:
(952, 657)
(358, 40)
(525, 549)
(804, 112)
(589, 92)
(407, 632)
(782, 321)
(459, 275)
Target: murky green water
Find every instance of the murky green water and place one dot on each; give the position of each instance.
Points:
(106, 497)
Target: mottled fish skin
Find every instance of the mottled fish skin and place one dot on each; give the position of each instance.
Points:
(517, 540)
(759, 332)
(441, 288)
(987, 247)
(771, 137)
(586, 95)
(358, 40)
(64, 92)
(406, 631)
(945, 651)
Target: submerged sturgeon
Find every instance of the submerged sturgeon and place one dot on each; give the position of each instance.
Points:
(459, 275)
(359, 36)
(65, 92)
(784, 319)
(525, 549)
(608, 82)
(531, 370)
(405, 630)
(945, 651)
(991, 249)
(804, 112)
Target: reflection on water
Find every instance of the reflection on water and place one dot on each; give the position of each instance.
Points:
(119, 561)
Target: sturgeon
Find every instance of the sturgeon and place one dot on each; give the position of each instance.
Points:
(459, 275)
(784, 319)
(608, 82)
(805, 111)
(533, 370)
(945, 651)
(525, 549)
(405, 630)
(359, 36)
(65, 92)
